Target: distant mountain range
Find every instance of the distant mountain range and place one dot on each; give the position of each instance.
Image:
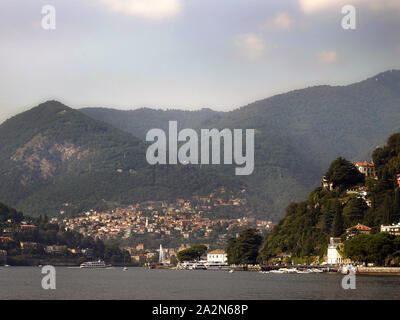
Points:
(53, 157)
(297, 133)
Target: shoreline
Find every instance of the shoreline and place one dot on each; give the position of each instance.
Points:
(378, 271)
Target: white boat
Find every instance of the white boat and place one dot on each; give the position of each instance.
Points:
(217, 266)
(94, 264)
(277, 271)
(125, 268)
(191, 265)
(304, 271)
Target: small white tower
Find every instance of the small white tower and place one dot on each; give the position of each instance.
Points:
(161, 256)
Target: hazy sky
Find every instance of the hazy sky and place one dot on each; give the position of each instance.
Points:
(187, 53)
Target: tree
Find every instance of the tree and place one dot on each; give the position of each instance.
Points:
(193, 253)
(374, 248)
(344, 174)
(244, 249)
(337, 229)
(354, 211)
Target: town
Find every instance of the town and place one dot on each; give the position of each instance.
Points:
(141, 228)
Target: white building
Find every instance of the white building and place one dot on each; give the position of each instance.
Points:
(334, 256)
(326, 184)
(366, 168)
(217, 256)
(393, 229)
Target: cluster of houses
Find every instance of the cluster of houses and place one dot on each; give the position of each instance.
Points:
(185, 219)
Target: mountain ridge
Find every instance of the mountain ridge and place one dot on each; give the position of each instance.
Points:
(296, 135)
(54, 158)
(299, 132)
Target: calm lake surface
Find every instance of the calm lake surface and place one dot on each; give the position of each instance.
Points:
(141, 283)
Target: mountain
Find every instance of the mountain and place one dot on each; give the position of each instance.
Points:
(139, 121)
(54, 158)
(297, 133)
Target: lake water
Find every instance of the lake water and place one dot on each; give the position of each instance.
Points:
(142, 283)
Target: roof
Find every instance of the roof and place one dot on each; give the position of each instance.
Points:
(217, 251)
(6, 239)
(360, 227)
(365, 164)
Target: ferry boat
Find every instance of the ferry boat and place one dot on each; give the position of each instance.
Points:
(94, 264)
(217, 266)
(191, 266)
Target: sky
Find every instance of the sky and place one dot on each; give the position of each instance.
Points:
(187, 54)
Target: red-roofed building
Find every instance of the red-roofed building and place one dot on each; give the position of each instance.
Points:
(366, 168)
(357, 229)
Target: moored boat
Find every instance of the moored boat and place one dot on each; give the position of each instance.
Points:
(94, 264)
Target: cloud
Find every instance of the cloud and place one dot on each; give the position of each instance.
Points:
(282, 21)
(312, 6)
(152, 9)
(250, 45)
(327, 57)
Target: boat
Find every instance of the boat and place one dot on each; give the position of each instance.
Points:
(231, 271)
(125, 268)
(192, 265)
(277, 271)
(197, 266)
(217, 266)
(94, 264)
(304, 271)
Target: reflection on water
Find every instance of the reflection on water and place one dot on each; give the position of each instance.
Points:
(141, 283)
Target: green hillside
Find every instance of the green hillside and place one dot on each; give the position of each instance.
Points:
(307, 226)
(54, 158)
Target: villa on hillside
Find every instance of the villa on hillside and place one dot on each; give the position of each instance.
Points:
(367, 169)
(326, 184)
(394, 229)
(357, 229)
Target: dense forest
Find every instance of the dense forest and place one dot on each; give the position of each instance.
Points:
(307, 226)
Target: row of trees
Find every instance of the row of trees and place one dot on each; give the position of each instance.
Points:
(379, 248)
